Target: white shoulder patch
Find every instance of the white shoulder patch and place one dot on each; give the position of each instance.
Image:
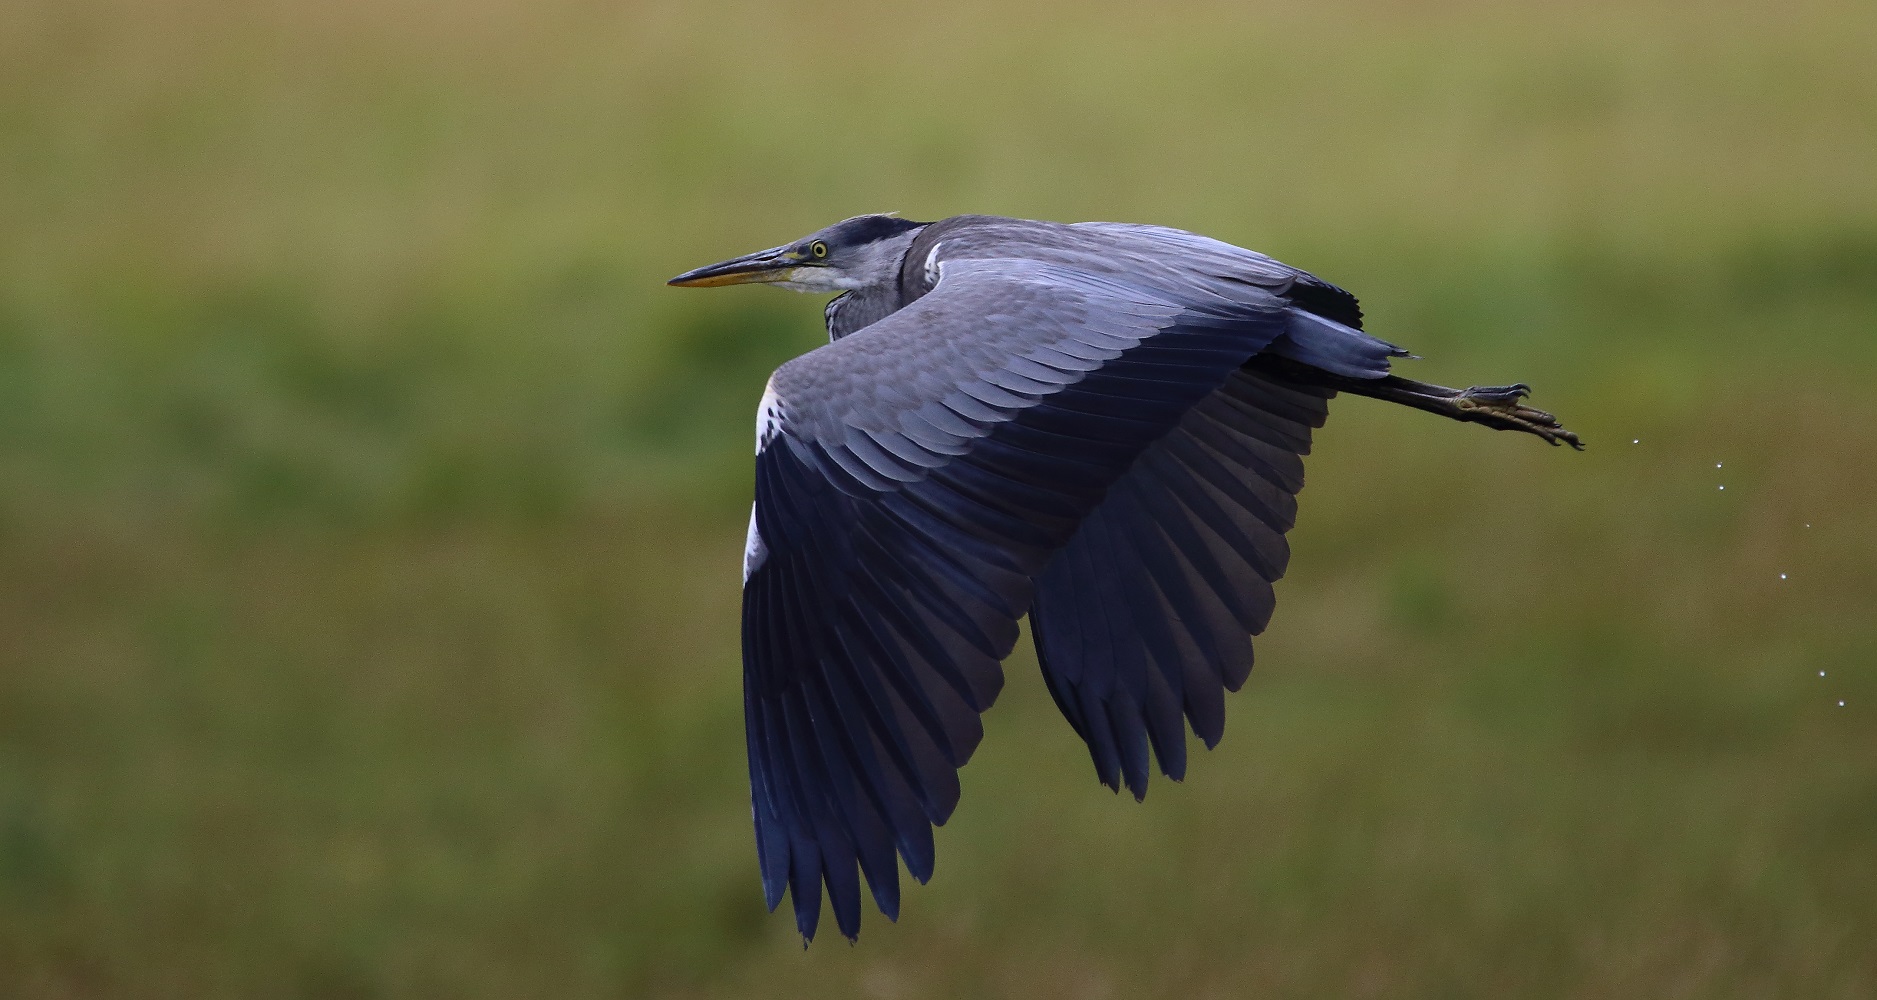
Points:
(754, 551)
(768, 417)
(932, 265)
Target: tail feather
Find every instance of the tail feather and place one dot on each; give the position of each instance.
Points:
(1333, 347)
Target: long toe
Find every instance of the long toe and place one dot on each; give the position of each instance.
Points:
(1491, 395)
(1499, 406)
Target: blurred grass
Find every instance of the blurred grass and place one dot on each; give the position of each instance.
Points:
(370, 513)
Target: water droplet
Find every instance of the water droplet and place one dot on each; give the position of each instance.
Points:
(1821, 673)
(1717, 465)
(1808, 525)
(1636, 441)
(1721, 487)
(1782, 576)
(1841, 703)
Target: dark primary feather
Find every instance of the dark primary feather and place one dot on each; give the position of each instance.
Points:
(1147, 614)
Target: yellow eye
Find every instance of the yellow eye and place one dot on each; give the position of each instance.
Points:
(819, 249)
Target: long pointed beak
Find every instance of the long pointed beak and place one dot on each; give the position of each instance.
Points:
(775, 264)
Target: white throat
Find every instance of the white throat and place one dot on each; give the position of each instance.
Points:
(820, 279)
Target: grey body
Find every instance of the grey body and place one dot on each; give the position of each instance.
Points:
(1021, 293)
(1100, 426)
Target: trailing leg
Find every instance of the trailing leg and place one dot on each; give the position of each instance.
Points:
(1496, 406)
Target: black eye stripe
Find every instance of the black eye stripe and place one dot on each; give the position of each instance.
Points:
(868, 228)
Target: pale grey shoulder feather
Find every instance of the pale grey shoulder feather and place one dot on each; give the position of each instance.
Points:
(1172, 261)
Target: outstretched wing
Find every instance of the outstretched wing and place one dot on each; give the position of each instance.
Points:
(912, 481)
(1148, 613)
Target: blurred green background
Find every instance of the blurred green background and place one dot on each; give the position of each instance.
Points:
(371, 514)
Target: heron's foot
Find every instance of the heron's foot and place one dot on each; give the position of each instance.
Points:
(1498, 406)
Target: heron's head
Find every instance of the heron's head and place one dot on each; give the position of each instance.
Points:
(860, 252)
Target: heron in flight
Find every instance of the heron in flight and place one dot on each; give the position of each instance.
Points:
(1101, 426)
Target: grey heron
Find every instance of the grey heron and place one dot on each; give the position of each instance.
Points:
(1100, 426)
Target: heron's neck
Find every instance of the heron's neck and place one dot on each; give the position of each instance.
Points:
(860, 308)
